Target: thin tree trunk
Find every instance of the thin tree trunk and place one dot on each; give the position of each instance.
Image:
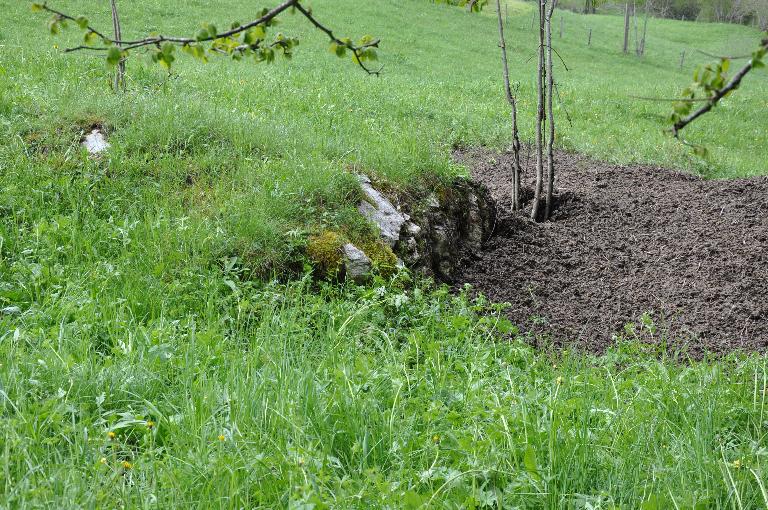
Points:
(513, 105)
(645, 27)
(589, 39)
(626, 27)
(634, 24)
(539, 118)
(550, 115)
(682, 59)
(119, 82)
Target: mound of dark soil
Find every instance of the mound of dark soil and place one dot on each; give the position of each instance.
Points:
(691, 254)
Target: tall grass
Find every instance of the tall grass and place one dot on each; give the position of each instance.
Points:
(130, 304)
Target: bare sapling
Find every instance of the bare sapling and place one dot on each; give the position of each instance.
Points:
(641, 47)
(512, 100)
(550, 114)
(539, 117)
(626, 27)
(119, 80)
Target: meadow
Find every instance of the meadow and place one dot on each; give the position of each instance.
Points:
(163, 344)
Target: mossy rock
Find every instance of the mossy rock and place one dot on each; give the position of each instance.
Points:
(325, 252)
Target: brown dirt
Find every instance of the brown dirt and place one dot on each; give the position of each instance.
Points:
(626, 241)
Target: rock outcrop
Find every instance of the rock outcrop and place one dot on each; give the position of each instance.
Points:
(436, 232)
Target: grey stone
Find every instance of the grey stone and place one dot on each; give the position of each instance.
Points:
(357, 265)
(379, 210)
(95, 142)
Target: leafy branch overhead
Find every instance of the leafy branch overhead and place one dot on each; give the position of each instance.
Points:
(710, 85)
(249, 40)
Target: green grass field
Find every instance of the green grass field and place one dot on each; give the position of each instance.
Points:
(153, 362)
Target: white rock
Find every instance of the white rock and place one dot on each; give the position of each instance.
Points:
(95, 142)
(10, 310)
(357, 265)
(378, 209)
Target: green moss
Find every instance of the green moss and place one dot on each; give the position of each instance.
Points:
(325, 252)
(382, 257)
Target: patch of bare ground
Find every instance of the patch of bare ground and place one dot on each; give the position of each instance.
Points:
(626, 241)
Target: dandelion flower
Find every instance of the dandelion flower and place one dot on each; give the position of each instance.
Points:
(127, 465)
(221, 437)
(559, 380)
(736, 464)
(103, 460)
(111, 435)
(150, 424)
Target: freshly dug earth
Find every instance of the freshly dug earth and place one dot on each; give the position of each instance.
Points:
(691, 255)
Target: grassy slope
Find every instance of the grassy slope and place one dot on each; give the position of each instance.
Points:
(131, 274)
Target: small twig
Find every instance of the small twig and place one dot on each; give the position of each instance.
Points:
(673, 100)
(556, 53)
(710, 55)
(565, 108)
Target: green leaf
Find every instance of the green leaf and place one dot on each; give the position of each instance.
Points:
(90, 37)
(114, 55)
(82, 22)
(37, 7)
(725, 65)
(202, 34)
(529, 461)
(338, 49)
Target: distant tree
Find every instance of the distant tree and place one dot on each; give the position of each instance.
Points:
(590, 6)
(471, 5)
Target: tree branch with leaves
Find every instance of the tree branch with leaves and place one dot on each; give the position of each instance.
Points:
(239, 41)
(712, 83)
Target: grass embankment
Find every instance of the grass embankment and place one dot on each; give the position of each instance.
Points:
(133, 277)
